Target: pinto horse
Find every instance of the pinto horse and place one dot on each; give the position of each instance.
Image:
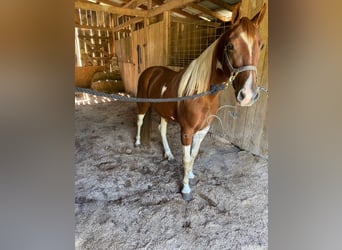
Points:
(231, 58)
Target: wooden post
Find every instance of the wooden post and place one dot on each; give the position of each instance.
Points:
(166, 37)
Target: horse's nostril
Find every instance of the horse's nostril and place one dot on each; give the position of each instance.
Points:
(241, 95)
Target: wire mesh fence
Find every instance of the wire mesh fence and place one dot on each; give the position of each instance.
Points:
(188, 40)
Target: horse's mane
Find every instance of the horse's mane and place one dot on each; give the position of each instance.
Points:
(197, 75)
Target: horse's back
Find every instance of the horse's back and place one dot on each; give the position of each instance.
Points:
(153, 78)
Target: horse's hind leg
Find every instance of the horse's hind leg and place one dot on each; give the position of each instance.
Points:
(167, 151)
(142, 110)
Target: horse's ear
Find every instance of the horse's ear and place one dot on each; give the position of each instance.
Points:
(236, 14)
(259, 16)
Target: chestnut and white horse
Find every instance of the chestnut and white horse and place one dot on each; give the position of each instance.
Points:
(233, 58)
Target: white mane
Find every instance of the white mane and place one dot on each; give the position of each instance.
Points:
(196, 76)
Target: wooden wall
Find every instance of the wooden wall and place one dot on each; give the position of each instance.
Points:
(249, 129)
(153, 52)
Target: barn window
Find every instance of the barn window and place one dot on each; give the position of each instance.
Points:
(93, 38)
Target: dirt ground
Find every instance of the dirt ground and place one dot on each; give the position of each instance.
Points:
(129, 198)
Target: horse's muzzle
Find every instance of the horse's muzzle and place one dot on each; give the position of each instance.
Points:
(247, 97)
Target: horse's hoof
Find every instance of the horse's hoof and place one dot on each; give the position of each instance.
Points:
(187, 196)
(136, 145)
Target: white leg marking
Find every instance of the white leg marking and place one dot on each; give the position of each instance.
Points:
(162, 128)
(139, 124)
(186, 164)
(196, 143)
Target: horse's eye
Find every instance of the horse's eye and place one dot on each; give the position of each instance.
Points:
(230, 46)
(262, 46)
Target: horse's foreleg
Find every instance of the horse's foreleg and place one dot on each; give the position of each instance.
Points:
(189, 155)
(186, 191)
(167, 151)
(140, 121)
(196, 143)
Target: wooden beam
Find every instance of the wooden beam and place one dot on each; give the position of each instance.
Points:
(209, 12)
(166, 28)
(133, 4)
(168, 6)
(193, 17)
(89, 27)
(111, 9)
(102, 1)
(199, 21)
(131, 21)
(223, 4)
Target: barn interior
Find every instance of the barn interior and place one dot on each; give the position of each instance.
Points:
(117, 40)
(127, 197)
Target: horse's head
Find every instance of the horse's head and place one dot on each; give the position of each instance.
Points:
(242, 46)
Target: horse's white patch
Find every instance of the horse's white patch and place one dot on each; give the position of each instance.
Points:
(249, 42)
(139, 124)
(249, 82)
(186, 154)
(163, 128)
(219, 65)
(164, 88)
(186, 189)
(248, 90)
(172, 118)
(186, 164)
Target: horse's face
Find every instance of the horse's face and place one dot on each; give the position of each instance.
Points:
(243, 47)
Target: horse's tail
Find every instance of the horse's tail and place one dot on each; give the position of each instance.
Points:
(146, 128)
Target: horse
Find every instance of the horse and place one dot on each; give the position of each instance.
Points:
(233, 57)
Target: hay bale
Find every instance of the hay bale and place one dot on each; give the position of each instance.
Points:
(84, 75)
(106, 76)
(109, 86)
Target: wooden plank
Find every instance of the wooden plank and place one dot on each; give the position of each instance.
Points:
(260, 124)
(166, 29)
(131, 21)
(209, 12)
(133, 4)
(198, 21)
(156, 44)
(88, 27)
(168, 6)
(223, 4)
(103, 1)
(111, 9)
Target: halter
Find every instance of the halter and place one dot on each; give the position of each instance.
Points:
(235, 71)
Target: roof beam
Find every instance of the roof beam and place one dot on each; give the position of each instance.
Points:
(134, 3)
(169, 6)
(223, 4)
(111, 9)
(209, 12)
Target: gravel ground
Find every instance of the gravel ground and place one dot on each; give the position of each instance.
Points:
(129, 198)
